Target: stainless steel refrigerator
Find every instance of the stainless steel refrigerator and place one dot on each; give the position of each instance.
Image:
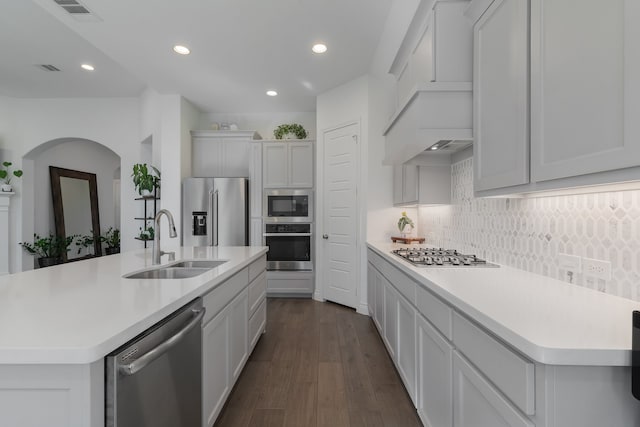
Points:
(215, 212)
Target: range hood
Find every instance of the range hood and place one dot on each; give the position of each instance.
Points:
(436, 118)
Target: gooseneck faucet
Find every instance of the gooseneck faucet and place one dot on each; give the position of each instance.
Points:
(157, 253)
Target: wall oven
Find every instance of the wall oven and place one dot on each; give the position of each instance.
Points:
(288, 205)
(290, 246)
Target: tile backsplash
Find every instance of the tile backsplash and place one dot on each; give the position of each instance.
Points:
(530, 233)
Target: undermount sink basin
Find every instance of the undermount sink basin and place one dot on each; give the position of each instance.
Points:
(178, 270)
(198, 264)
(168, 273)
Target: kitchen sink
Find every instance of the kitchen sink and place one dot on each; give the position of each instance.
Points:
(198, 264)
(168, 273)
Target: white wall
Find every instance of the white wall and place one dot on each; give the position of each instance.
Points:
(340, 106)
(81, 155)
(112, 122)
(263, 123)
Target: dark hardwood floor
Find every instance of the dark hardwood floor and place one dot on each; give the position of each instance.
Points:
(318, 364)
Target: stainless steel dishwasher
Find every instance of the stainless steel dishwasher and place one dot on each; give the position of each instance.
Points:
(156, 378)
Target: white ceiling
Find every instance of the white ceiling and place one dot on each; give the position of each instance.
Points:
(240, 48)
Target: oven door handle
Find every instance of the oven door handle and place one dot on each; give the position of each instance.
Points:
(287, 234)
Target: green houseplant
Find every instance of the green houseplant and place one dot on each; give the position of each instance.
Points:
(146, 234)
(6, 174)
(146, 178)
(403, 222)
(112, 239)
(49, 250)
(283, 130)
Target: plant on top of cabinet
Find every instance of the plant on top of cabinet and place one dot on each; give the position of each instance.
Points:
(49, 250)
(6, 175)
(146, 178)
(284, 131)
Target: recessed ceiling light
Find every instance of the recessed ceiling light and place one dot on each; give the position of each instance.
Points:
(87, 67)
(319, 48)
(272, 93)
(182, 50)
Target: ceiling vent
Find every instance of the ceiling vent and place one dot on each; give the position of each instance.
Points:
(48, 67)
(77, 10)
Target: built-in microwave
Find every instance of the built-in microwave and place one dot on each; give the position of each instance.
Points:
(288, 205)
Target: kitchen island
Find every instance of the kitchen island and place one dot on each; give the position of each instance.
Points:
(501, 346)
(58, 323)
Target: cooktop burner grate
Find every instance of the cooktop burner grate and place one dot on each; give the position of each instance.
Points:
(439, 257)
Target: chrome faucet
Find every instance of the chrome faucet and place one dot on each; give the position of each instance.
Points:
(157, 253)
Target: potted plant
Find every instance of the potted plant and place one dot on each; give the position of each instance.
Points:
(85, 242)
(403, 222)
(290, 131)
(146, 234)
(49, 250)
(112, 239)
(6, 175)
(146, 178)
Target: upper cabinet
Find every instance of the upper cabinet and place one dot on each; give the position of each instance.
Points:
(287, 164)
(556, 94)
(221, 153)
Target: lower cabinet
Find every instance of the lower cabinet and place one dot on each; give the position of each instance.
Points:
(477, 403)
(406, 350)
(239, 336)
(379, 308)
(434, 376)
(390, 318)
(216, 366)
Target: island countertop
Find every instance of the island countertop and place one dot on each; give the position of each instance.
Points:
(549, 321)
(78, 312)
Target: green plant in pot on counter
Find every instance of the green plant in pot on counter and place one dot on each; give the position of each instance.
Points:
(49, 250)
(283, 131)
(6, 175)
(112, 239)
(146, 178)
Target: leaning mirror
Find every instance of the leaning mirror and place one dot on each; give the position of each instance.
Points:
(75, 207)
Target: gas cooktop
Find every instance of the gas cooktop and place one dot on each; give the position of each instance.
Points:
(438, 257)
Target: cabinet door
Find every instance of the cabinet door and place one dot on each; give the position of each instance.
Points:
(434, 376)
(585, 95)
(410, 184)
(216, 371)
(406, 351)
(300, 163)
(274, 165)
(390, 318)
(239, 336)
(371, 289)
(477, 403)
(379, 310)
(500, 94)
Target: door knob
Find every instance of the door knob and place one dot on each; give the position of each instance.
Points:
(325, 236)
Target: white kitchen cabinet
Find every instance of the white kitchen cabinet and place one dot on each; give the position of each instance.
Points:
(288, 164)
(371, 289)
(221, 153)
(405, 184)
(379, 308)
(290, 283)
(434, 387)
(216, 366)
(390, 319)
(406, 350)
(422, 184)
(477, 403)
(239, 336)
(585, 95)
(500, 96)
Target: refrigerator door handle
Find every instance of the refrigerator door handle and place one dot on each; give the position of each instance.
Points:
(215, 218)
(210, 219)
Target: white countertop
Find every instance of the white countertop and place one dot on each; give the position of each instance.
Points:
(548, 320)
(78, 312)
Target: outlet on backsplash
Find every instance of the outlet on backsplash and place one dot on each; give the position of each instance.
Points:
(596, 268)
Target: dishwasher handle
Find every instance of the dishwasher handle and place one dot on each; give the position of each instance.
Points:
(154, 353)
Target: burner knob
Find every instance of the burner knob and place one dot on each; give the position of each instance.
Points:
(428, 260)
(467, 261)
(455, 261)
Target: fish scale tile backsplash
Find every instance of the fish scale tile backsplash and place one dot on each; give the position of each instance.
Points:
(530, 233)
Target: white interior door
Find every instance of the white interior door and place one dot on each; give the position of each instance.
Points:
(340, 207)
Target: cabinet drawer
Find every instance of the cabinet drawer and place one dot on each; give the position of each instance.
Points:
(257, 267)
(436, 311)
(222, 295)
(511, 373)
(403, 283)
(257, 292)
(257, 323)
(375, 259)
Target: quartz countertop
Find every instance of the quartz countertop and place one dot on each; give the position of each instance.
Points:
(548, 320)
(78, 312)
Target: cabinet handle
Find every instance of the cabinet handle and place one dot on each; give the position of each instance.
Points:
(325, 236)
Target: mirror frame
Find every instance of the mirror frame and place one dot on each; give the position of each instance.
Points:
(58, 210)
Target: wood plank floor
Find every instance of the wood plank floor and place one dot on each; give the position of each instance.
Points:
(318, 364)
